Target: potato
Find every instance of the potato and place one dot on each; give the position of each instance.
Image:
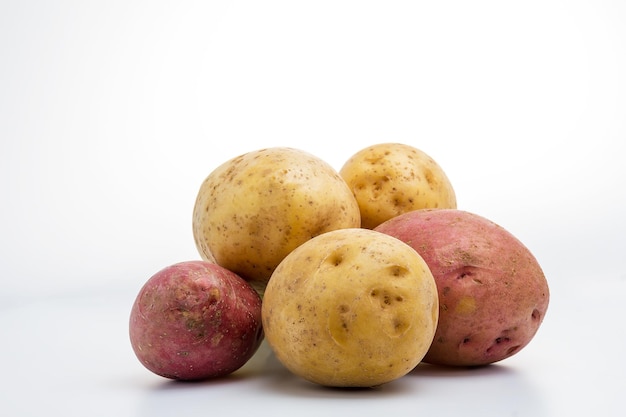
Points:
(493, 294)
(256, 208)
(351, 308)
(389, 179)
(195, 320)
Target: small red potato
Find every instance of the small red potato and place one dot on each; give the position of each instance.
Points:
(195, 320)
(493, 294)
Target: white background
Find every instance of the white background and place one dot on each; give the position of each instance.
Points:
(113, 112)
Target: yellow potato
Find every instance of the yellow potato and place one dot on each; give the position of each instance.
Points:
(389, 179)
(254, 209)
(351, 308)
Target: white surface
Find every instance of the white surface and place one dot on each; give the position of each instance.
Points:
(112, 113)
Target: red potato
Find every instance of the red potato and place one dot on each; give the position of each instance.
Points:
(195, 320)
(493, 294)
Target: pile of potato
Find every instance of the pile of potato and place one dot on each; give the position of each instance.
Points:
(353, 277)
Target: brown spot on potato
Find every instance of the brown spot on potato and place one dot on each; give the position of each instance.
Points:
(535, 315)
(335, 258)
(463, 274)
(399, 326)
(512, 350)
(214, 295)
(429, 176)
(385, 298)
(500, 341)
(398, 271)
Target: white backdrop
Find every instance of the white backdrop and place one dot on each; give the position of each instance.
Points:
(113, 112)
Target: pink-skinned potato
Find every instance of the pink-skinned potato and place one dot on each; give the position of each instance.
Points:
(195, 320)
(493, 294)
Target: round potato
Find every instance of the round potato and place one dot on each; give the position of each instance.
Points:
(493, 294)
(351, 308)
(195, 320)
(256, 208)
(389, 179)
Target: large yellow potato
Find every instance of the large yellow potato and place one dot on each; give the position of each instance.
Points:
(254, 209)
(389, 179)
(351, 308)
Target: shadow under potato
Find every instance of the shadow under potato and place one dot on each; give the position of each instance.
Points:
(430, 370)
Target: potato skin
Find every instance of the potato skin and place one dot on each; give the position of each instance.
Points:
(493, 294)
(254, 209)
(195, 320)
(351, 308)
(389, 179)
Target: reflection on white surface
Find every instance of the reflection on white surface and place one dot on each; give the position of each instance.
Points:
(264, 381)
(70, 355)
